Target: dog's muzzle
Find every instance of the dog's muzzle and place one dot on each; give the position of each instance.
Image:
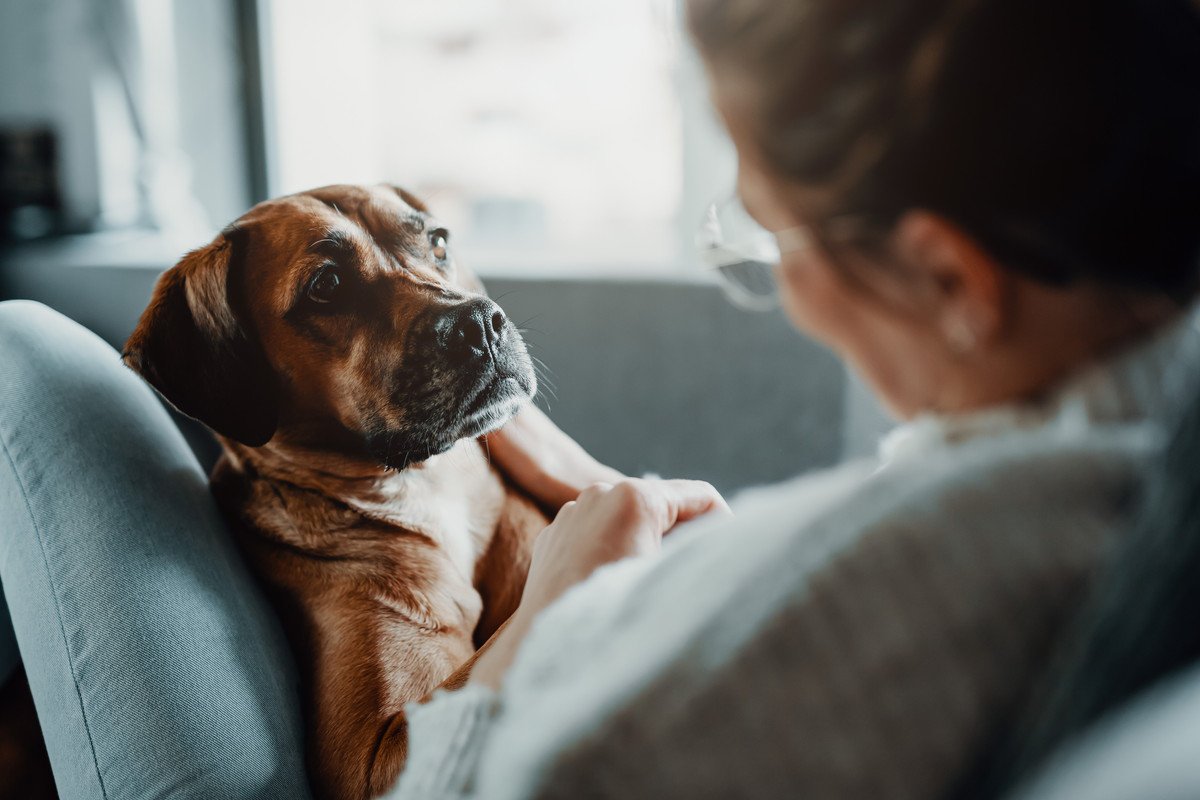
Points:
(467, 373)
(486, 352)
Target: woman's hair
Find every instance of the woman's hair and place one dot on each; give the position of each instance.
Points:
(1064, 135)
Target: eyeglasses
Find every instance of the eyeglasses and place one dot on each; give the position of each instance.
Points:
(744, 254)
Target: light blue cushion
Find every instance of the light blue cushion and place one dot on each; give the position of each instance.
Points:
(156, 666)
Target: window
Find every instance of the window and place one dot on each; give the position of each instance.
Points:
(552, 136)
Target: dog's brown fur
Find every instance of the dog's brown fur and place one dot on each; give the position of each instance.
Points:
(387, 579)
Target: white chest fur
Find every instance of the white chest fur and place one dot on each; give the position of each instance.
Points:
(454, 498)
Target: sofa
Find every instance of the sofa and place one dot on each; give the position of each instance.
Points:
(651, 375)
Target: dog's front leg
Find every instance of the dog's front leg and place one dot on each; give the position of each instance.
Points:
(500, 573)
(388, 760)
(367, 668)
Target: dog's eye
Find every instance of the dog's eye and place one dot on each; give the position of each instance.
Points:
(439, 240)
(323, 286)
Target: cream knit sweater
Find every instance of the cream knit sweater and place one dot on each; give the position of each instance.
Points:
(854, 633)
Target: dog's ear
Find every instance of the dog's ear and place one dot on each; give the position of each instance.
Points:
(191, 347)
(409, 197)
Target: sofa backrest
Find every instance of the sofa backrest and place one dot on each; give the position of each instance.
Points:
(668, 377)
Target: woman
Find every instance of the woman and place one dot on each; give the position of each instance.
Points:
(988, 208)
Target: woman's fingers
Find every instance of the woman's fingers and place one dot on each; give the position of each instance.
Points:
(692, 499)
(661, 504)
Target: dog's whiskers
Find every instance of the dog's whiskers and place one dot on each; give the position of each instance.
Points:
(545, 384)
(529, 320)
(541, 365)
(545, 381)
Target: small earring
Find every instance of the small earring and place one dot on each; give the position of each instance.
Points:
(960, 337)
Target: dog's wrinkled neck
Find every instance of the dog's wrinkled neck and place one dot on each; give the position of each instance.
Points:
(453, 499)
(349, 478)
(305, 466)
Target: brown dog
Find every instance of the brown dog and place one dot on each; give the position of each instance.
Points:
(347, 365)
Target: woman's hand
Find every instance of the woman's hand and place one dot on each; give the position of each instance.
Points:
(607, 523)
(543, 461)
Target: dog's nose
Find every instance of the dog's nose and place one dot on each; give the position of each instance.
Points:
(473, 329)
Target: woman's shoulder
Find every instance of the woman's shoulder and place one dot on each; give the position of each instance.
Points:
(1021, 505)
(1036, 471)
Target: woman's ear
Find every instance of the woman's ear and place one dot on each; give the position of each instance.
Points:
(966, 287)
(191, 347)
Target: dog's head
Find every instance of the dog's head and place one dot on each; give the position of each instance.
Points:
(337, 320)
